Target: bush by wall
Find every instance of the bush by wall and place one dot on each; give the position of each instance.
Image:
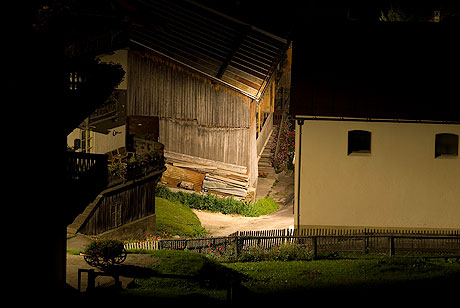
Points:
(211, 203)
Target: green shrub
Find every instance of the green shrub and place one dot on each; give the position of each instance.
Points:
(262, 207)
(105, 253)
(211, 203)
(285, 252)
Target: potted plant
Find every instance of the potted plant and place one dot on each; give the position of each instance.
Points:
(104, 254)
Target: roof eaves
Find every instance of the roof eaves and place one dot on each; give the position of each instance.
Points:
(195, 69)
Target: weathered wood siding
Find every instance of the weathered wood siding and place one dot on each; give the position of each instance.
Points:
(197, 117)
(229, 145)
(157, 87)
(122, 205)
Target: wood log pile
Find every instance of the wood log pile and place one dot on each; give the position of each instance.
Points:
(206, 175)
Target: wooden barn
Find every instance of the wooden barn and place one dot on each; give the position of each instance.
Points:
(199, 82)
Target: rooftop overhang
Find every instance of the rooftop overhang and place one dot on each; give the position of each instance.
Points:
(380, 72)
(223, 49)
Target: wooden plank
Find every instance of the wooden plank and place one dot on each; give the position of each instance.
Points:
(208, 162)
(229, 191)
(211, 170)
(174, 175)
(197, 168)
(227, 180)
(231, 175)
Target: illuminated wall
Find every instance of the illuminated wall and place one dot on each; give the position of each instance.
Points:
(399, 184)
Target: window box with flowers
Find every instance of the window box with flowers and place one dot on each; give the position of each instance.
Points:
(136, 166)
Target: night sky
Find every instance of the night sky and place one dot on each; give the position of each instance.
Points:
(279, 17)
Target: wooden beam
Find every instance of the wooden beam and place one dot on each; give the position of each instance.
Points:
(258, 121)
(203, 161)
(231, 54)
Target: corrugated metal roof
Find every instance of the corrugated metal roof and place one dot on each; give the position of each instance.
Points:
(224, 49)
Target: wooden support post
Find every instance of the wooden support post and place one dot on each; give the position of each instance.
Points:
(237, 247)
(258, 120)
(392, 245)
(366, 244)
(91, 280)
(79, 279)
(314, 244)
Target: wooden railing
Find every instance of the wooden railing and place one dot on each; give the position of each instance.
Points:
(86, 167)
(264, 134)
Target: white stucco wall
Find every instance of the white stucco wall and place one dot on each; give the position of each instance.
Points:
(399, 185)
(102, 143)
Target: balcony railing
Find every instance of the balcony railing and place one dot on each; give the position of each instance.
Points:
(87, 167)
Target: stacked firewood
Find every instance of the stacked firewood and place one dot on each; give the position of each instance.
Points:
(204, 175)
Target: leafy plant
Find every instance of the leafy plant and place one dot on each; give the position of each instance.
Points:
(263, 206)
(395, 13)
(284, 252)
(136, 163)
(262, 174)
(119, 169)
(286, 147)
(104, 254)
(211, 203)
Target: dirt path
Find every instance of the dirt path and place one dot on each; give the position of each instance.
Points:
(218, 224)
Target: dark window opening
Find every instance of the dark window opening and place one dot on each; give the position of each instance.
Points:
(359, 141)
(446, 145)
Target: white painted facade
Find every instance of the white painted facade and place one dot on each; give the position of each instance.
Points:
(398, 185)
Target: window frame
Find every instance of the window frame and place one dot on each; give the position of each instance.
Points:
(440, 145)
(353, 143)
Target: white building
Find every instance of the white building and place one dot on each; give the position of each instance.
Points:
(377, 130)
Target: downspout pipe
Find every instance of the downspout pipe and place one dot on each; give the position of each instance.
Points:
(299, 165)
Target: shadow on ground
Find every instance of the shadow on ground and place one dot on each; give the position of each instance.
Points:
(425, 291)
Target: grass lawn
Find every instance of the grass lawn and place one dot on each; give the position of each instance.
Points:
(270, 277)
(183, 274)
(269, 281)
(177, 219)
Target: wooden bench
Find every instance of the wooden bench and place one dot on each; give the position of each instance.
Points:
(92, 275)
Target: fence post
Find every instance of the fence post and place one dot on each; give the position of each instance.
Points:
(237, 247)
(314, 244)
(392, 245)
(366, 244)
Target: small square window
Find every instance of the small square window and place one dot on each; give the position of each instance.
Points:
(359, 141)
(446, 145)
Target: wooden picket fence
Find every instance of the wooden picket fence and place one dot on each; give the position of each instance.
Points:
(357, 242)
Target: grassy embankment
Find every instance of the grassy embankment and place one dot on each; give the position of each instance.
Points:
(174, 216)
(177, 219)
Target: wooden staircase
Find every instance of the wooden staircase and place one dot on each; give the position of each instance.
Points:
(265, 164)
